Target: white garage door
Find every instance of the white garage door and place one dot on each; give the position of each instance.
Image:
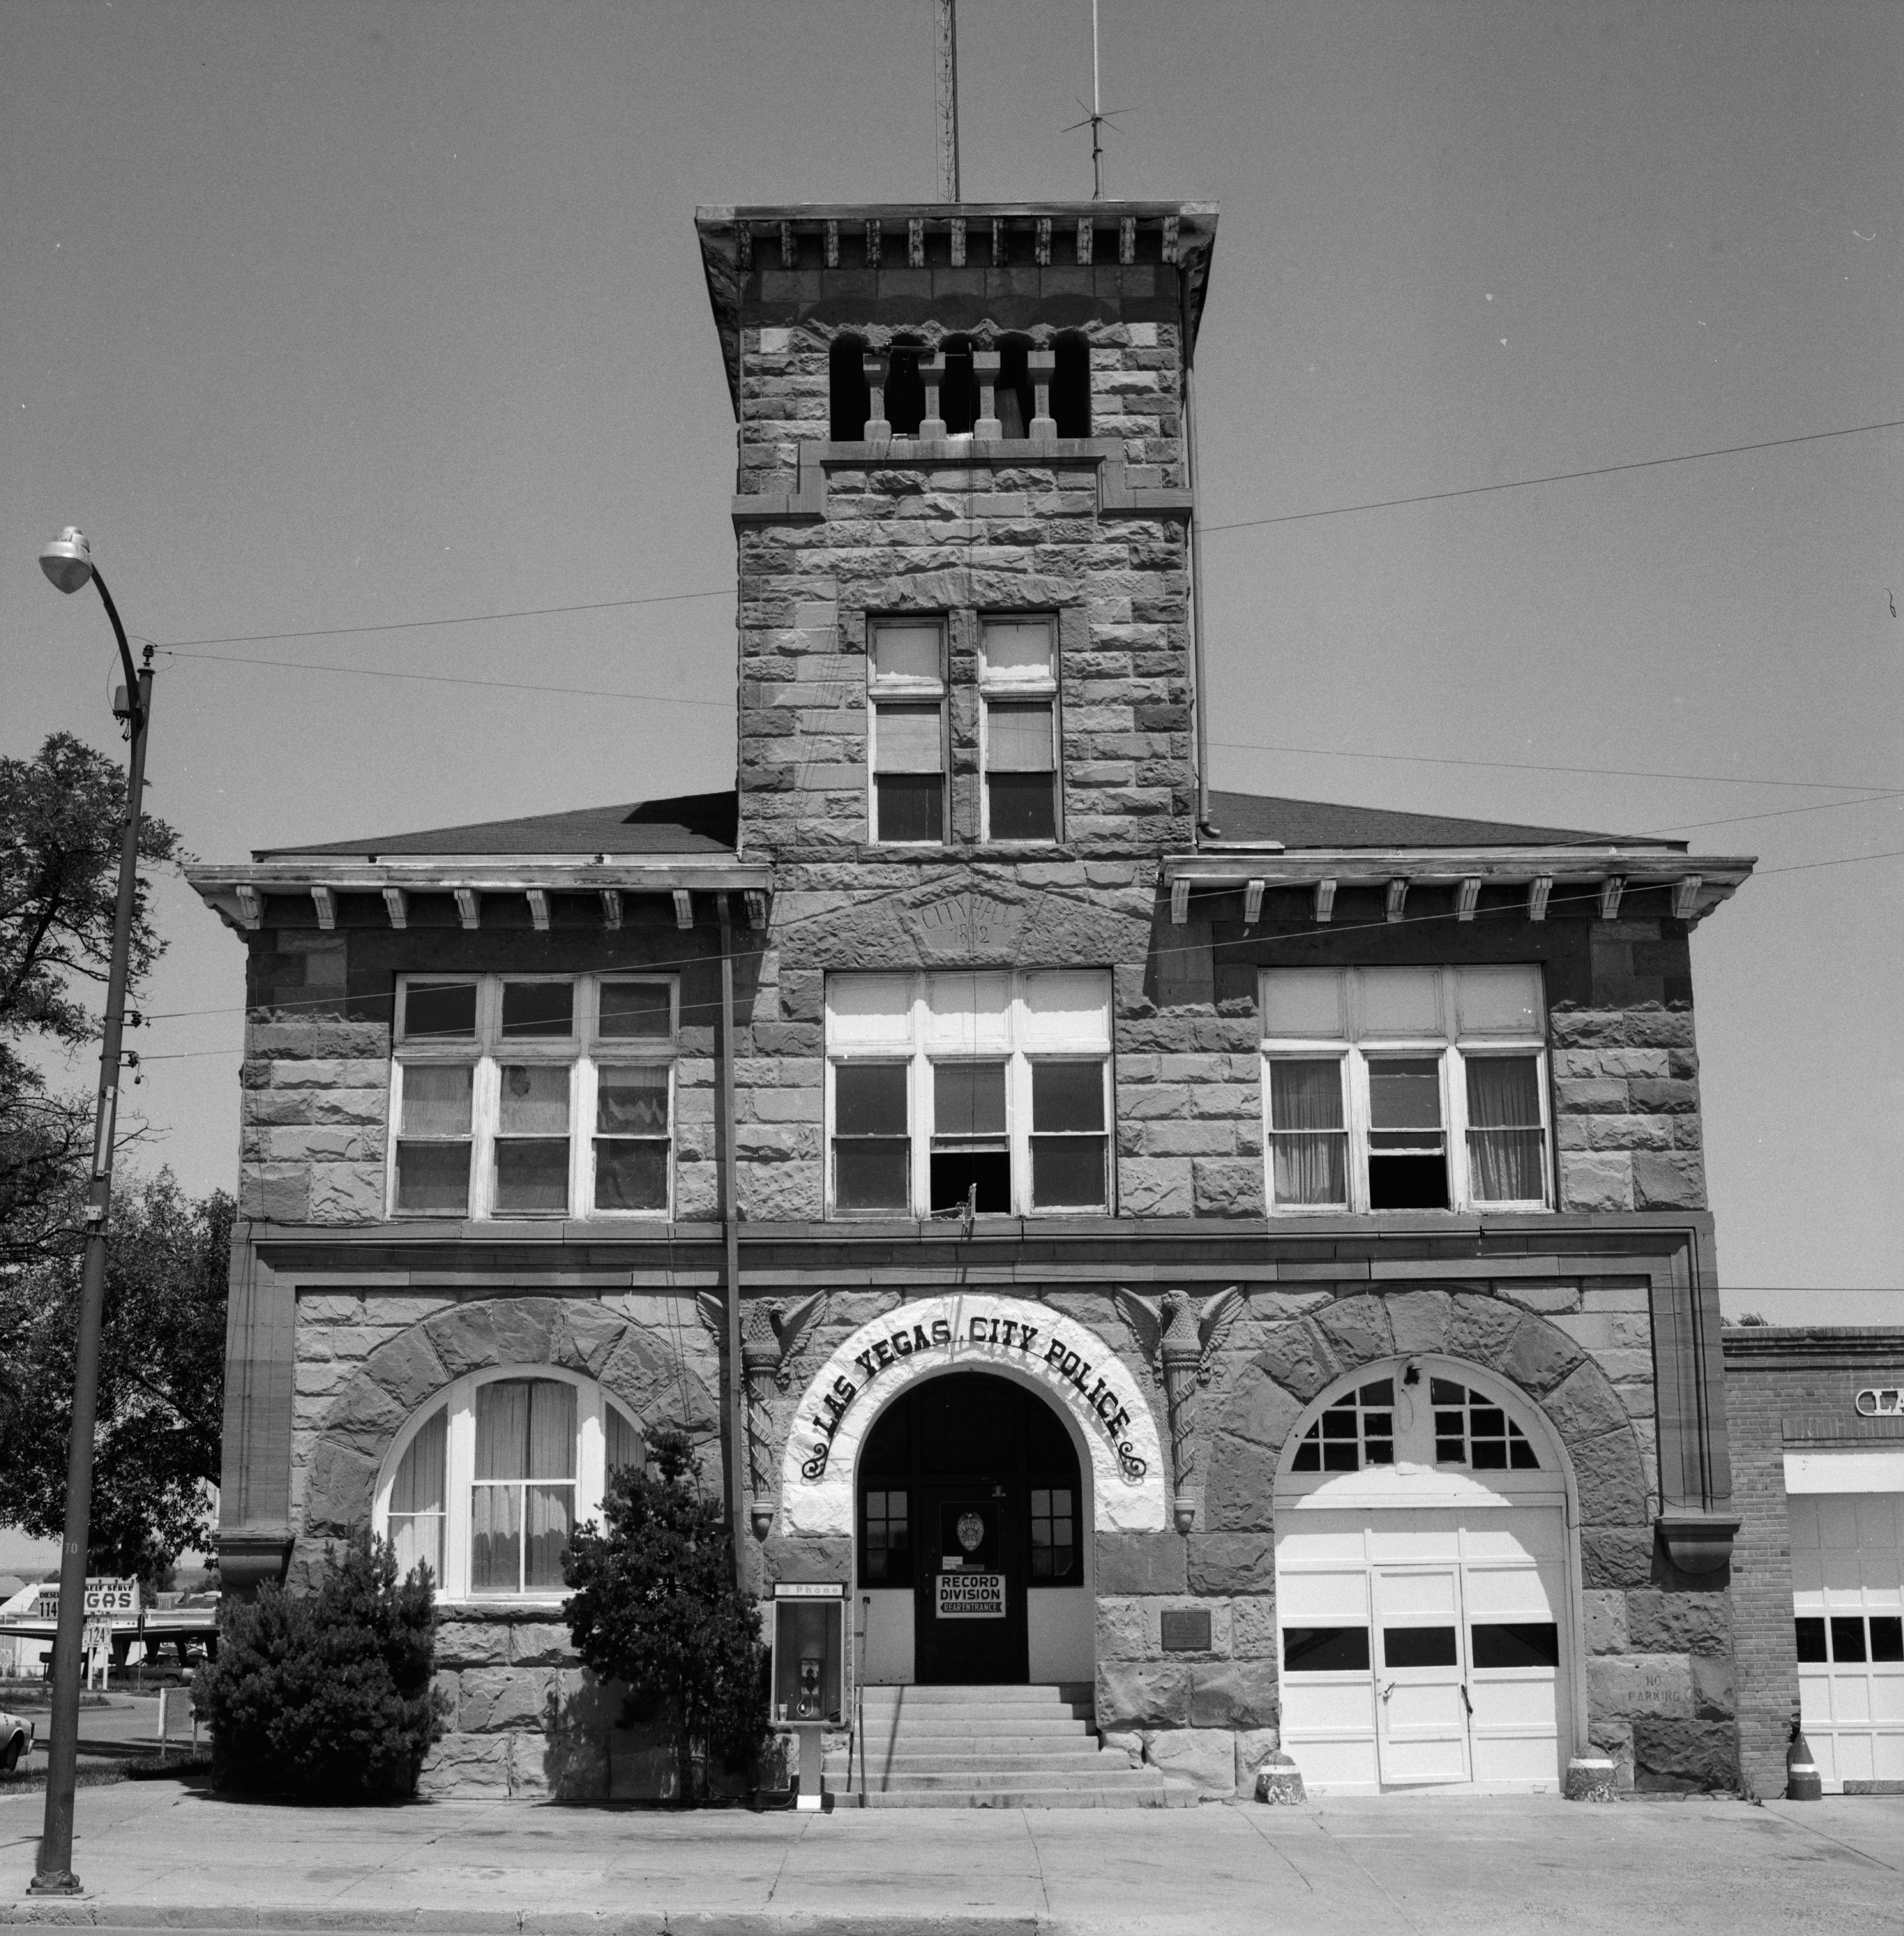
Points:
(1423, 1645)
(1848, 1598)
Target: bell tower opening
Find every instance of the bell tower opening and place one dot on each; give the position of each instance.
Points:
(972, 1531)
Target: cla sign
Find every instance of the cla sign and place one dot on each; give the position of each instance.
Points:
(1881, 1401)
(106, 1599)
(1080, 1375)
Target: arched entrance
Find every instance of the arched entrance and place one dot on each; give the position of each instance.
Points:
(972, 1537)
(1075, 1370)
(1425, 1584)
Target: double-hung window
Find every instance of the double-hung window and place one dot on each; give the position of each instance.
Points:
(905, 695)
(1018, 696)
(985, 1091)
(533, 1095)
(1406, 1088)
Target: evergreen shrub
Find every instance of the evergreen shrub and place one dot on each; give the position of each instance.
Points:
(654, 1604)
(326, 1696)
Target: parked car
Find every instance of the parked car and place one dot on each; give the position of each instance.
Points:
(16, 1741)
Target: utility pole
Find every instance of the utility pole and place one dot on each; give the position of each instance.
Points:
(948, 100)
(67, 562)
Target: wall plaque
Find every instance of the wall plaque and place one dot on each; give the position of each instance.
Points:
(1186, 1630)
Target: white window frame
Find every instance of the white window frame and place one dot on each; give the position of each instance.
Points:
(1450, 1045)
(459, 1472)
(898, 690)
(1007, 686)
(1013, 1032)
(584, 1051)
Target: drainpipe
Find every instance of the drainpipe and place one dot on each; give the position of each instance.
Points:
(730, 1227)
(1199, 712)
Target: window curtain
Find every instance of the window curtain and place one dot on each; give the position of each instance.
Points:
(502, 1446)
(1504, 1142)
(551, 1430)
(1018, 739)
(624, 1447)
(910, 740)
(549, 1510)
(525, 1432)
(416, 1499)
(1310, 1135)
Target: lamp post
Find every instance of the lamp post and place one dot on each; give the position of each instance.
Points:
(67, 562)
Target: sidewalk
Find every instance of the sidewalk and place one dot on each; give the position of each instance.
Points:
(154, 1855)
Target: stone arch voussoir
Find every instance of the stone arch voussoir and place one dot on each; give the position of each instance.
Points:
(636, 1367)
(1302, 1358)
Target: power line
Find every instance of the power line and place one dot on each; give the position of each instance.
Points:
(1538, 766)
(1235, 745)
(1335, 929)
(1776, 813)
(1240, 524)
(1558, 477)
(1843, 860)
(467, 618)
(450, 678)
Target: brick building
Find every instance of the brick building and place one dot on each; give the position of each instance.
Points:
(1817, 1459)
(1238, 1265)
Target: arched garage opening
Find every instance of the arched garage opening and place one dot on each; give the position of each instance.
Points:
(1426, 1584)
(973, 1538)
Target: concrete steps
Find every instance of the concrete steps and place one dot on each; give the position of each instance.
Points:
(985, 1748)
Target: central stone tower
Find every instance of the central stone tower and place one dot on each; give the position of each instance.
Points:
(962, 514)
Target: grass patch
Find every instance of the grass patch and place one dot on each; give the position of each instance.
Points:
(96, 1775)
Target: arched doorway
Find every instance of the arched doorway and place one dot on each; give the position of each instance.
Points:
(1425, 1584)
(972, 1538)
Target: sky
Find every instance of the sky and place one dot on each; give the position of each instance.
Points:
(318, 317)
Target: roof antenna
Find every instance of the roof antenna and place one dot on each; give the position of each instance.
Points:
(1098, 118)
(948, 100)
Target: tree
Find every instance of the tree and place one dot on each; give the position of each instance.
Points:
(326, 1696)
(62, 816)
(654, 1605)
(161, 1381)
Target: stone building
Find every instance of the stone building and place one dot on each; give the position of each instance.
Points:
(1818, 1436)
(1239, 1265)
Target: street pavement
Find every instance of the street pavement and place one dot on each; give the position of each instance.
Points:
(158, 1854)
(124, 1724)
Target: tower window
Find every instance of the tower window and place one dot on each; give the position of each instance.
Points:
(1071, 386)
(906, 688)
(1013, 401)
(850, 401)
(958, 396)
(905, 393)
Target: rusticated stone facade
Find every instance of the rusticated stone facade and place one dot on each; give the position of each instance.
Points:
(526, 1719)
(1597, 1311)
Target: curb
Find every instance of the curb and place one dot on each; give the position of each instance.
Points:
(86, 1913)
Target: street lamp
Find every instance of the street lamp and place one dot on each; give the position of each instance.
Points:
(67, 562)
